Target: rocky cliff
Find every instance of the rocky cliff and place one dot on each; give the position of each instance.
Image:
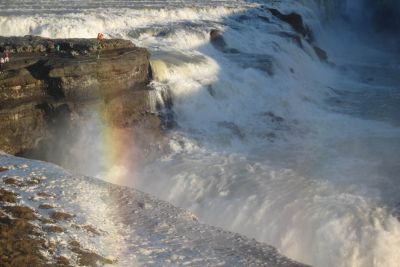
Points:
(45, 94)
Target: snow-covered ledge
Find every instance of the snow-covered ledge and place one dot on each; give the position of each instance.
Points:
(48, 216)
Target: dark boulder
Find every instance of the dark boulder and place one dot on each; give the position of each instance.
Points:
(295, 20)
(302, 32)
(218, 41)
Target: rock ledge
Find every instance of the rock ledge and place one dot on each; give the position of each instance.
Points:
(45, 95)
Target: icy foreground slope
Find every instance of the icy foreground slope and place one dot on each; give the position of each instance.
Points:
(48, 216)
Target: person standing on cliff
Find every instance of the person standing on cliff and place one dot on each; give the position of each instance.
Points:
(58, 48)
(1, 64)
(6, 57)
(100, 38)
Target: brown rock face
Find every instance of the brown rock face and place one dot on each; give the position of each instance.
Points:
(60, 216)
(45, 95)
(218, 41)
(7, 196)
(18, 248)
(295, 20)
(302, 31)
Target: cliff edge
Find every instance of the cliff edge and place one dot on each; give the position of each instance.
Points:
(51, 87)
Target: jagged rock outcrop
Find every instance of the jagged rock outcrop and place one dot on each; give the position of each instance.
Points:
(218, 41)
(45, 95)
(296, 21)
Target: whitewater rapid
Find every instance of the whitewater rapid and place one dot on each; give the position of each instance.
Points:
(268, 141)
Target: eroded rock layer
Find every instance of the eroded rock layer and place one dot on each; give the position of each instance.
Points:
(51, 87)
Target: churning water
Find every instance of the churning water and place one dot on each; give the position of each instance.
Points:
(269, 141)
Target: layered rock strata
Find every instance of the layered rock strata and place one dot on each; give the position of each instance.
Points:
(51, 87)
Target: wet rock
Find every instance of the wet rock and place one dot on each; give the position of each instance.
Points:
(54, 229)
(91, 229)
(43, 195)
(7, 196)
(74, 243)
(295, 21)
(61, 216)
(45, 206)
(303, 32)
(34, 181)
(218, 41)
(13, 181)
(20, 242)
(21, 212)
(45, 221)
(87, 257)
(75, 226)
(62, 261)
(3, 169)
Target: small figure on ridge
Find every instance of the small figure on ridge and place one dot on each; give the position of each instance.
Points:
(1, 64)
(6, 57)
(100, 37)
(58, 48)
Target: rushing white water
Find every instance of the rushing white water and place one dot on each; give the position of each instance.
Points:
(269, 142)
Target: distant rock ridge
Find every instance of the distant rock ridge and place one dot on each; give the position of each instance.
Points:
(46, 94)
(301, 35)
(31, 43)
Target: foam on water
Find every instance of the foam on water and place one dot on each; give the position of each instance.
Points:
(258, 149)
